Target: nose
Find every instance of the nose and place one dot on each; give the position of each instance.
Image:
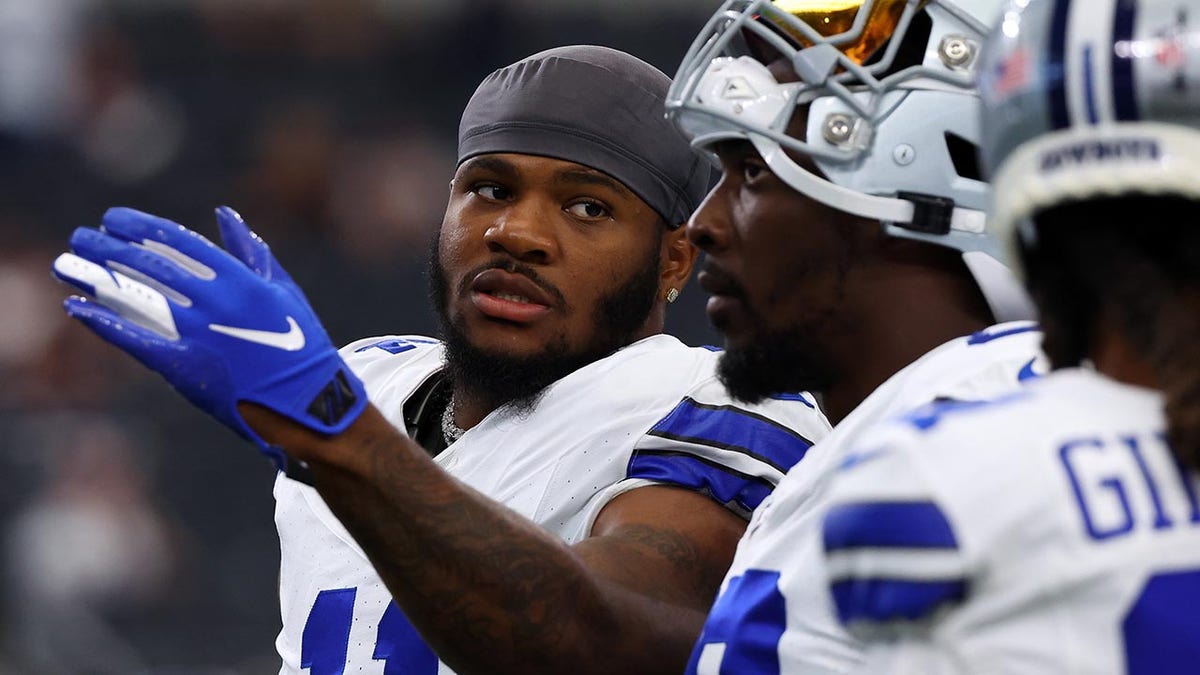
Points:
(525, 231)
(709, 228)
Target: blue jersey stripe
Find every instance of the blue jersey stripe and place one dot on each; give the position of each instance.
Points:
(731, 428)
(1056, 65)
(1124, 90)
(889, 599)
(887, 525)
(726, 485)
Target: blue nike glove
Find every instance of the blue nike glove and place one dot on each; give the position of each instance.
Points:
(221, 327)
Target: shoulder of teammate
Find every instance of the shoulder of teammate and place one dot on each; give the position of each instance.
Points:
(732, 451)
(1016, 347)
(899, 548)
(893, 559)
(983, 365)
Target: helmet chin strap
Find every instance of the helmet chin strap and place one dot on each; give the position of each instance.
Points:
(900, 212)
(1005, 295)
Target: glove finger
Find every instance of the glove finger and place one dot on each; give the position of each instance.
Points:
(188, 249)
(133, 302)
(159, 354)
(143, 344)
(243, 244)
(162, 274)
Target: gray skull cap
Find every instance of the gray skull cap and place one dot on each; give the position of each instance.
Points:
(593, 106)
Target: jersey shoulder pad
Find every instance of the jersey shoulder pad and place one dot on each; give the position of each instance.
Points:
(982, 366)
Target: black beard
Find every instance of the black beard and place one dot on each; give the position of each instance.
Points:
(519, 381)
(772, 364)
(783, 360)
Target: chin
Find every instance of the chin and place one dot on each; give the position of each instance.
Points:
(760, 367)
(509, 339)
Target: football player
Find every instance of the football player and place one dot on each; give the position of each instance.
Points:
(1057, 530)
(847, 254)
(558, 487)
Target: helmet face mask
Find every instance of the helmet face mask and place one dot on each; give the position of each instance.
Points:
(825, 61)
(879, 128)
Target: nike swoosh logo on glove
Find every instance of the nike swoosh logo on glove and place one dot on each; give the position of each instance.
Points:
(292, 340)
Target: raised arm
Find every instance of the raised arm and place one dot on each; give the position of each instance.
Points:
(489, 590)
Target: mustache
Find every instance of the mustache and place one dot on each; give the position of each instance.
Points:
(512, 267)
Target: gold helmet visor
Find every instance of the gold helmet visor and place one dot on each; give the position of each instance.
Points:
(836, 19)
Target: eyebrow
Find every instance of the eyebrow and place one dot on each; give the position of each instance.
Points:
(578, 176)
(490, 163)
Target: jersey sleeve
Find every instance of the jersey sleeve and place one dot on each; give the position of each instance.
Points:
(893, 560)
(732, 452)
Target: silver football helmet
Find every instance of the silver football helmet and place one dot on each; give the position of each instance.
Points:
(892, 113)
(1089, 98)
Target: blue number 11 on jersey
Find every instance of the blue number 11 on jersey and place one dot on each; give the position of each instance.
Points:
(326, 640)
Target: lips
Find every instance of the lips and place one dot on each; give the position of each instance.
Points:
(509, 296)
(726, 306)
(718, 282)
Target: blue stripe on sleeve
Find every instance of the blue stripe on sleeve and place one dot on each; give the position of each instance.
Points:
(724, 484)
(730, 428)
(888, 599)
(887, 525)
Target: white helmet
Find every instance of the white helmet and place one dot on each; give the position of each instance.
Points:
(1089, 99)
(893, 120)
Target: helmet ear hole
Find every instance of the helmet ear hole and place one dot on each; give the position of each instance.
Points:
(965, 156)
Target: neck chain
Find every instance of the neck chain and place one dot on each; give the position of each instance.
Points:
(450, 430)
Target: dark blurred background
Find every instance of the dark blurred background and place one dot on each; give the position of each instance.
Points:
(137, 535)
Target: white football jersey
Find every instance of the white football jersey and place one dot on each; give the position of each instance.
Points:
(774, 614)
(652, 413)
(1050, 531)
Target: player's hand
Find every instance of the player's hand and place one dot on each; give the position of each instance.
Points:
(220, 326)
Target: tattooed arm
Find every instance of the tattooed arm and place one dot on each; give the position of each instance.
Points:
(490, 591)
